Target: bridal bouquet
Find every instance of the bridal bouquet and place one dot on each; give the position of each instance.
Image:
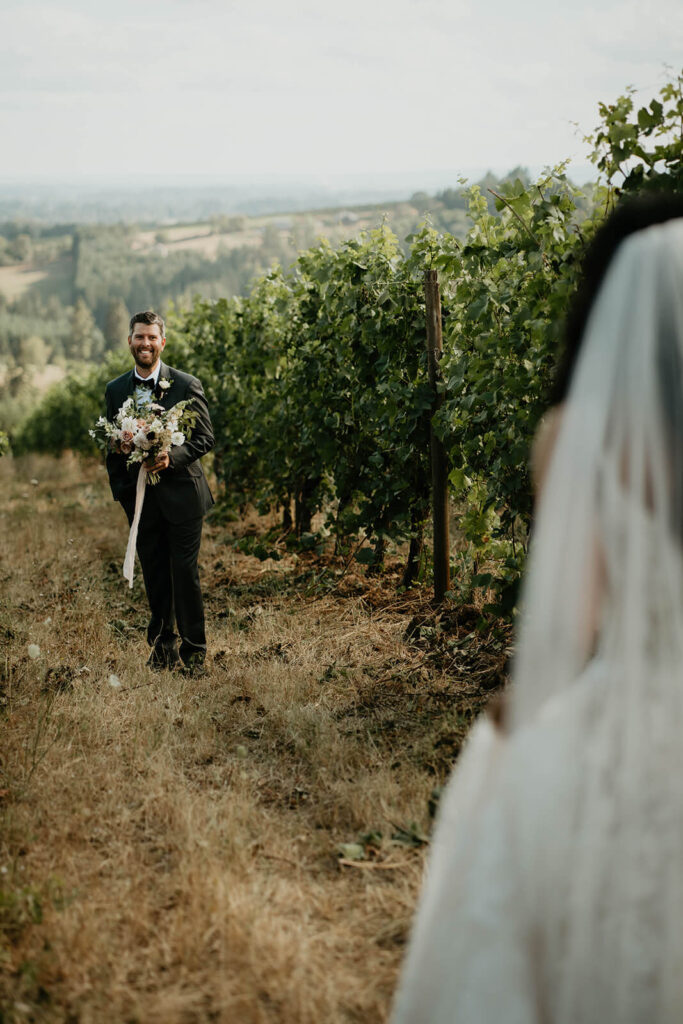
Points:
(145, 431)
(142, 432)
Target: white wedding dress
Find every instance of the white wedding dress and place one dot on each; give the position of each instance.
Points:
(491, 941)
(554, 890)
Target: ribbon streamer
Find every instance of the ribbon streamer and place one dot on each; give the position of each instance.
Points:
(129, 560)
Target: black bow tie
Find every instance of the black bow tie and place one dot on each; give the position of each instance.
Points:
(149, 383)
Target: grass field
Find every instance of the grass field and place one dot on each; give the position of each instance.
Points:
(203, 239)
(17, 279)
(244, 847)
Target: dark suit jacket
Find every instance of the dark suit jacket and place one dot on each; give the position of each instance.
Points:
(182, 490)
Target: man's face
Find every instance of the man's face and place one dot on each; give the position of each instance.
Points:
(146, 345)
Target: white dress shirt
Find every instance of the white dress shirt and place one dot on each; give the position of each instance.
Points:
(144, 395)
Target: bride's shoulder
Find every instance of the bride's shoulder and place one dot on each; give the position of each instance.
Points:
(499, 763)
(493, 732)
(545, 755)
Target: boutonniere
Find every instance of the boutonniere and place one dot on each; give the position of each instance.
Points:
(164, 383)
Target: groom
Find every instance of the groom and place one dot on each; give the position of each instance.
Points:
(172, 514)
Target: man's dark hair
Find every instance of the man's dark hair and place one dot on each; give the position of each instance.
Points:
(149, 318)
(631, 215)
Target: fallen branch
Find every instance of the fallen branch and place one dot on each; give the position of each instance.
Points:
(374, 865)
(285, 860)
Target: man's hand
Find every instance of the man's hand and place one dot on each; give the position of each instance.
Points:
(162, 462)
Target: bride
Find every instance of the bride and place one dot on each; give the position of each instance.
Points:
(554, 892)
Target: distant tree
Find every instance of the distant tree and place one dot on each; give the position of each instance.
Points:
(54, 310)
(421, 201)
(33, 352)
(21, 248)
(518, 173)
(116, 325)
(453, 198)
(85, 341)
(303, 233)
(17, 398)
(224, 224)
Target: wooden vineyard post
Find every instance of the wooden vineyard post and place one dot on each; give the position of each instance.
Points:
(438, 452)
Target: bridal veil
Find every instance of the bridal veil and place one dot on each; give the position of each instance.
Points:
(555, 891)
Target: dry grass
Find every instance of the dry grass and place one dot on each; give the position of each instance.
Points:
(170, 849)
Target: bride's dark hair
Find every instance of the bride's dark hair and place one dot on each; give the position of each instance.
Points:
(631, 214)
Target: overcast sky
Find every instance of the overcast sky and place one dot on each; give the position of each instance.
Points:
(293, 88)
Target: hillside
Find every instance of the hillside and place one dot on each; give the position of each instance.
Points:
(67, 290)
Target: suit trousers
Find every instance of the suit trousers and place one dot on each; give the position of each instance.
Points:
(168, 555)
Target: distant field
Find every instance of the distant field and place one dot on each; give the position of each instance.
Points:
(15, 280)
(296, 230)
(147, 239)
(41, 379)
(208, 245)
(50, 375)
(203, 239)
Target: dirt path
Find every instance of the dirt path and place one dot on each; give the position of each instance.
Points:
(246, 847)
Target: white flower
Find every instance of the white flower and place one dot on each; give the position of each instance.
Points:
(114, 681)
(164, 384)
(128, 424)
(178, 437)
(140, 440)
(33, 651)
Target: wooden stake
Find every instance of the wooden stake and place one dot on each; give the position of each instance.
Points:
(437, 450)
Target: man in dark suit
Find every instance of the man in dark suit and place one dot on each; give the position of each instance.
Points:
(170, 528)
